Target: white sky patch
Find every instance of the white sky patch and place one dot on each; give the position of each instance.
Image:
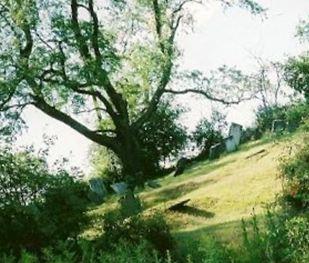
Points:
(229, 37)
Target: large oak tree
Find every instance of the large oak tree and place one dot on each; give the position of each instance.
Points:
(113, 60)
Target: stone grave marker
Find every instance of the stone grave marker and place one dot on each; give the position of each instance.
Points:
(230, 144)
(98, 190)
(181, 166)
(235, 131)
(153, 184)
(215, 151)
(120, 188)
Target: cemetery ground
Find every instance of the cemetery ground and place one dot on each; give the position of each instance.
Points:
(222, 192)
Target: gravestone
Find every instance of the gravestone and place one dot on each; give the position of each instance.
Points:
(120, 188)
(230, 144)
(98, 190)
(235, 131)
(129, 204)
(278, 126)
(153, 184)
(180, 166)
(215, 151)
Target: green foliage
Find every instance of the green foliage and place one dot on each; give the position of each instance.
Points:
(294, 115)
(162, 137)
(285, 237)
(295, 176)
(297, 74)
(87, 251)
(266, 116)
(254, 241)
(137, 229)
(208, 133)
(38, 207)
(303, 30)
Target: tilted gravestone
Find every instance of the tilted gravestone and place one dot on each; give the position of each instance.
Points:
(181, 166)
(120, 188)
(278, 126)
(215, 151)
(230, 144)
(98, 190)
(235, 131)
(153, 184)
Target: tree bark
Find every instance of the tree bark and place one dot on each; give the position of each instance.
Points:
(131, 157)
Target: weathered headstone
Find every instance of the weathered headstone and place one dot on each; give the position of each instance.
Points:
(278, 126)
(129, 204)
(180, 166)
(153, 184)
(230, 144)
(235, 131)
(98, 190)
(120, 188)
(215, 151)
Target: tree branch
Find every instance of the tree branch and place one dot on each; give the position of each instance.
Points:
(207, 95)
(74, 124)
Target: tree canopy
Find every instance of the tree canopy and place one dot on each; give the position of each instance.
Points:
(111, 61)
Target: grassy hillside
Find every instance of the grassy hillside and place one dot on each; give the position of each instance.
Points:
(221, 193)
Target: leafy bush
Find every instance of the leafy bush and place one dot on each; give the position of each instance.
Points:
(136, 229)
(37, 207)
(266, 116)
(295, 175)
(284, 239)
(297, 74)
(208, 133)
(294, 115)
(86, 251)
(162, 137)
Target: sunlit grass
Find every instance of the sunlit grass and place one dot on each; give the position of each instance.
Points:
(222, 192)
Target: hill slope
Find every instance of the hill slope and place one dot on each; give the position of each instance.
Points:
(221, 193)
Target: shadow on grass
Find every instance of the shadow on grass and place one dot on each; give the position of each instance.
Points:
(203, 168)
(193, 211)
(172, 192)
(203, 240)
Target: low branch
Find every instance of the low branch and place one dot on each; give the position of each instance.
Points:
(74, 124)
(207, 95)
(90, 110)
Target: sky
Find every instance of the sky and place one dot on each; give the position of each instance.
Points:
(230, 37)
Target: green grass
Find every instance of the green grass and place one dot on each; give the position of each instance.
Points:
(222, 192)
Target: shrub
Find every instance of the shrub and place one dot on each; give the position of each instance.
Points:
(85, 251)
(37, 207)
(297, 74)
(284, 239)
(136, 229)
(266, 115)
(295, 175)
(296, 115)
(208, 133)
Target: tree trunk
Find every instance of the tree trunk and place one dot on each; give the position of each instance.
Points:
(131, 157)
